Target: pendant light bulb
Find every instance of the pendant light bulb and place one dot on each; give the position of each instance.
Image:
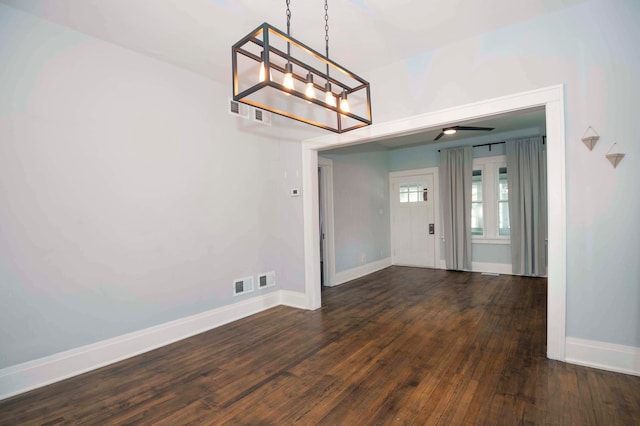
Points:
(263, 73)
(449, 131)
(344, 103)
(310, 91)
(287, 82)
(329, 98)
(262, 76)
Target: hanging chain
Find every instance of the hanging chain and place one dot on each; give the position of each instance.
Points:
(288, 18)
(326, 25)
(326, 30)
(288, 29)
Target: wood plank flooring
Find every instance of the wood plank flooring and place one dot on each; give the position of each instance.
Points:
(402, 346)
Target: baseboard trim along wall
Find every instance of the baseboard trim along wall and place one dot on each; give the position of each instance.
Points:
(293, 299)
(602, 355)
(361, 271)
(497, 268)
(44, 371)
(494, 268)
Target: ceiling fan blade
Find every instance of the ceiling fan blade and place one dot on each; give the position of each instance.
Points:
(439, 136)
(474, 128)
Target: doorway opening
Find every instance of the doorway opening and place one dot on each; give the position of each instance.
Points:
(552, 99)
(326, 244)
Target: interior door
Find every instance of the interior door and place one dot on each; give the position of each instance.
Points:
(413, 220)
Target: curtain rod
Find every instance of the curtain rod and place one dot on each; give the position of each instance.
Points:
(544, 139)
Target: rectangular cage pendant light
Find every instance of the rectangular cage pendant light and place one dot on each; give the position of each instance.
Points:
(275, 72)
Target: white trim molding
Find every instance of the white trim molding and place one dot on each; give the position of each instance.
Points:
(602, 355)
(293, 299)
(497, 268)
(311, 228)
(551, 98)
(54, 368)
(361, 271)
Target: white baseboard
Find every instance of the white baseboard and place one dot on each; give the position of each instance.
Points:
(293, 299)
(361, 271)
(41, 372)
(498, 268)
(602, 355)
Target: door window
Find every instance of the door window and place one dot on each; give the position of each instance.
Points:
(413, 193)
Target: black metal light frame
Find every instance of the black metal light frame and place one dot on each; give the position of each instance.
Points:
(341, 78)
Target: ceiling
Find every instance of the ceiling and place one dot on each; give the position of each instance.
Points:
(364, 34)
(197, 35)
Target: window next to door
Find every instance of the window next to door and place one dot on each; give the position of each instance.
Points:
(490, 201)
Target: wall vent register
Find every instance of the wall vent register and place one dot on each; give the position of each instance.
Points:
(242, 286)
(267, 279)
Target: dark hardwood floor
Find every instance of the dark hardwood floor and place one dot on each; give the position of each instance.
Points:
(404, 345)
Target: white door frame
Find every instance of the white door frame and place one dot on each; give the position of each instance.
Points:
(435, 193)
(552, 99)
(329, 237)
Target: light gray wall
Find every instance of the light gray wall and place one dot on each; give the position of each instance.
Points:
(128, 195)
(414, 157)
(592, 49)
(361, 208)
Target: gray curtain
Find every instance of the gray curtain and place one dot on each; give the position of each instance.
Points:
(456, 166)
(527, 180)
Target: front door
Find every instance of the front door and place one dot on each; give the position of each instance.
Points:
(413, 220)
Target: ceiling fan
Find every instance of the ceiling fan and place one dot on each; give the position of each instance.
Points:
(454, 129)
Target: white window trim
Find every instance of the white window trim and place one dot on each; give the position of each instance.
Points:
(490, 167)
